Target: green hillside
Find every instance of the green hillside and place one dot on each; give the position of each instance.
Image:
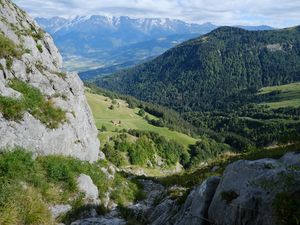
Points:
(129, 119)
(202, 74)
(284, 96)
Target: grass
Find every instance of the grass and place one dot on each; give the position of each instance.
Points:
(40, 48)
(32, 101)
(129, 120)
(286, 95)
(9, 50)
(28, 186)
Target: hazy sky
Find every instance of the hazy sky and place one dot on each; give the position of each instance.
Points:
(277, 13)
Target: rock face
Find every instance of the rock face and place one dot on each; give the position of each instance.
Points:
(248, 189)
(86, 186)
(245, 194)
(39, 65)
(195, 209)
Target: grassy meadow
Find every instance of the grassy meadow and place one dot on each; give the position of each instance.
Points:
(122, 117)
(288, 95)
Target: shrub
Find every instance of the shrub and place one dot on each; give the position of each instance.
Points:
(11, 109)
(8, 48)
(40, 48)
(142, 152)
(141, 112)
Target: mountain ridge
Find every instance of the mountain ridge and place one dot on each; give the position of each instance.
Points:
(215, 58)
(99, 40)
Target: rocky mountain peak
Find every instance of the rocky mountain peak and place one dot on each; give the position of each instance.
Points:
(42, 108)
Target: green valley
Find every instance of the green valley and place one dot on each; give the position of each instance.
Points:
(122, 117)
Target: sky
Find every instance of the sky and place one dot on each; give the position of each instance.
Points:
(276, 13)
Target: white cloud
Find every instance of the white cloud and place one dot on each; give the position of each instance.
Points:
(277, 13)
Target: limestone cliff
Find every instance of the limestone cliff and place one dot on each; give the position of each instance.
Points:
(30, 65)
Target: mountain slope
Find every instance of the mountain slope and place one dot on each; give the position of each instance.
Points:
(201, 73)
(42, 108)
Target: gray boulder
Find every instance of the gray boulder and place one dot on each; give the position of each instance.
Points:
(40, 66)
(58, 210)
(90, 190)
(247, 190)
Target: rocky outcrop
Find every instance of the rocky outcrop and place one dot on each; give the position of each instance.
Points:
(195, 208)
(248, 189)
(246, 194)
(38, 63)
(58, 210)
(89, 189)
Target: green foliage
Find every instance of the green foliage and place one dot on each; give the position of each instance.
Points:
(141, 112)
(40, 48)
(11, 108)
(9, 51)
(126, 191)
(114, 156)
(195, 176)
(28, 186)
(145, 150)
(32, 101)
(103, 128)
(63, 75)
(204, 150)
(165, 116)
(287, 208)
(142, 152)
(8, 48)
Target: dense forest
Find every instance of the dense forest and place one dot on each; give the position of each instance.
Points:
(199, 74)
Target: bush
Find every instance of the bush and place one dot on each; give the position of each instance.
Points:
(141, 112)
(40, 48)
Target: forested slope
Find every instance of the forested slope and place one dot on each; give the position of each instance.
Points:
(200, 74)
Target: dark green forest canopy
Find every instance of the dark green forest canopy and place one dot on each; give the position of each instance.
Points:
(202, 74)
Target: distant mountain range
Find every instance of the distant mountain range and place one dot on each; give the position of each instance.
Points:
(89, 42)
